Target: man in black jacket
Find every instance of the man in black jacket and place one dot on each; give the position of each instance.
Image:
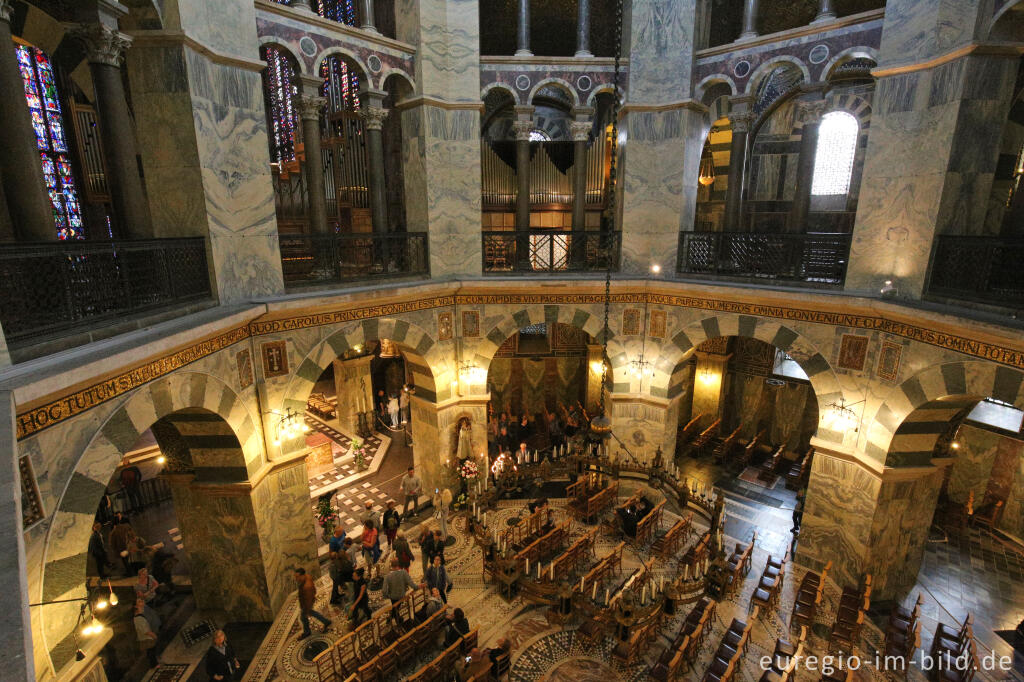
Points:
(98, 549)
(221, 663)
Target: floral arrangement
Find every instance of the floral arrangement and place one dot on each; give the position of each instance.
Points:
(359, 452)
(468, 470)
(461, 502)
(327, 515)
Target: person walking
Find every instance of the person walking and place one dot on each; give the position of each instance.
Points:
(391, 521)
(403, 552)
(98, 549)
(120, 538)
(370, 515)
(361, 602)
(353, 549)
(369, 539)
(393, 411)
(396, 583)
(437, 578)
(437, 548)
(346, 569)
(411, 486)
(403, 404)
(144, 634)
(221, 661)
(307, 600)
(334, 570)
(426, 543)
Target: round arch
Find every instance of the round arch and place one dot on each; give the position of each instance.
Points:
(63, 561)
(498, 85)
(759, 74)
(606, 89)
(351, 58)
(708, 82)
(850, 53)
(556, 83)
(972, 380)
(400, 76)
(299, 65)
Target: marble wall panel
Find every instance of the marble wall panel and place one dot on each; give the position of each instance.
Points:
(447, 37)
(973, 465)
(660, 50)
(916, 30)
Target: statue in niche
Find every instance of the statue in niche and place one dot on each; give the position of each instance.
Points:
(463, 439)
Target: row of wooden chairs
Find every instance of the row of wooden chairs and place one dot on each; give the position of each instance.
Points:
(627, 652)
(800, 471)
(442, 668)
(808, 597)
(596, 503)
(726, 447)
(785, 658)
(667, 545)
(747, 454)
(649, 525)
(701, 441)
(954, 651)
(739, 565)
(730, 653)
(903, 634)
(680, 655)
(687, 434)
(544, 546)
(853, 606)
(766, 595)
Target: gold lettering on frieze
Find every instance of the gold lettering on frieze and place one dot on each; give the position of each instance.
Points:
(340, 316)
(35, 420)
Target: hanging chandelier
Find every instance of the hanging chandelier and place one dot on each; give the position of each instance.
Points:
(842, 417)
(706, 177)
(290, 425)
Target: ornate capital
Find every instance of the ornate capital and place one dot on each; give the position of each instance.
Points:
(741, 121)
(522, 130)
(373, 117)
(6, 8)
(310, 107)
(580, 130)
(103, 44)
(811, 111)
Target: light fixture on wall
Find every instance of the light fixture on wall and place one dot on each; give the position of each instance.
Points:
(706, 177)
(842, 417)
(470, 372)
(707, 376)
(289, 425)
(888, 289)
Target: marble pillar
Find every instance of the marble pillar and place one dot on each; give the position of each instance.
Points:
(741, 121)
(866, 521)
(105, 50)
(197, 95)
(595, 375)
(580, 129)
(663, 136)
(934, 143)
(441, 132)
(750, 12)
(309, 107)
(709, 386)
(810, 114)
(27, 201)
(523, 126)
(523, 29)
(304, 5)
(354, 390)
(373, 114)
(644, 423)
(366, 15)
(826, 11)
(583, 29)
(16, 646)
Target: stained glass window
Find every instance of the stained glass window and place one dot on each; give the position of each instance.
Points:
(341, 84)
(280, 92)
(833, 161)
(343, 11)
(44, 107)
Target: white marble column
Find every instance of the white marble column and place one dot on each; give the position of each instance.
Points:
(310, 104)
(580, 129)
(22, 175)
(366, 15)
(304, 5)
(105, 50)
(826, 11)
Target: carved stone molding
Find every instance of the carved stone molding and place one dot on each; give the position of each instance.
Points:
(580, 130)
(373, 117)
(811, 111)
(741, 121)
(103, 44)
(310, 107)
(522, 130)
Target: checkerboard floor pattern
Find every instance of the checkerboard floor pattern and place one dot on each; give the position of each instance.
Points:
(345, 466)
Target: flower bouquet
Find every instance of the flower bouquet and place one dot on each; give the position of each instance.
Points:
(327, 516)
(468, 470)
(359, 453)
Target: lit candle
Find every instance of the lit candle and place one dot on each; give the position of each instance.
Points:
(643, 594)
(593, 592)
(686, 573)
(552, 571)
(582, 582)
(662, 589)
(606, 600)
(527, 565)
(538, 570)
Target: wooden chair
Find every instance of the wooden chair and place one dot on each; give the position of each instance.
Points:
(500, 668)
(387, 663)
(367, 672)
(663, 672)
(327, 668)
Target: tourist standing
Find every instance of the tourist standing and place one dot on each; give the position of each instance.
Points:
(307, 600)
(426, 542)
(411, 486)
(437, 578)
(369, 539)
(361, 601)
(403, 552)
(98, 550)
(371, 516)
(391, 521)
(393, 411)
(403, 404)
(221, 662)
(144, 633)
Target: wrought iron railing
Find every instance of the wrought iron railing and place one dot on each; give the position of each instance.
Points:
(981, 269)
(816, 258)
(550, 251)
(321, 259)
(53, 287)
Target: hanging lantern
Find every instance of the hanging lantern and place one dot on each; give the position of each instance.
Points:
(707, 170)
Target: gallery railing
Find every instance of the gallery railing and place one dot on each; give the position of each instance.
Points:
(550, 251)
(52, 287)
(818, 259)
(980, 269)
(322, 259)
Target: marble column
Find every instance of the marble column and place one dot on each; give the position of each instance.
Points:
(523, 30)
(583, 29)
(580, 129)
(354, 390)
(934, 144)
(310, 106)
(741, 121)
(595, 357)
(522, 128)
(373, 114)
(750, 12)
(105, 50)
(304, 5)
(366, 11)
(810, 114)
(16, 646)
(27, 201)
(709, 386)
(826, 11)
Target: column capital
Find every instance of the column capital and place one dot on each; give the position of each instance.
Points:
(373, 117)
(310, 106)
(741, 121)
(583, 113)
(103, 44)
(811, 111)
(580, 130)
(522, 130)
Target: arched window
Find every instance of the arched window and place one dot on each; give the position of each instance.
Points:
(279, 91)
(833, 161)
(44, 107)
(538, 135)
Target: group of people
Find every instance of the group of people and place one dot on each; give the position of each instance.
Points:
(543, 430)
(393, 409)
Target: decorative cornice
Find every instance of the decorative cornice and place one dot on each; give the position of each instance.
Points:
(161, 37)
(568, 63)
(431, 101)
(373, 117)
(977, 49)
(103, 45)
(310, 107)
(330, 26)
(692, 105)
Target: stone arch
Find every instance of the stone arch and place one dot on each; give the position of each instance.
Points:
(536, 314)
(608, 89)
(759, 74)
(708, 82)
(855, 105)
(347, 55)
(558, 83)
(823, 379)
(498, 85)
(840, 58)
(1007, 23)
(64, 551)
(275, 42)
(972, 380)
(400, 75)
(415, 343)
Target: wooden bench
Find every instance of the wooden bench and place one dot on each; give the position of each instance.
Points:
(696, 554)
(800, 470)
(649, 524)
(530, 557)
(317, 404)
(627, 652)
(668, 544)
(706, 435)
(726, 447)
(598, 502)
(688, 432)
(748, 451)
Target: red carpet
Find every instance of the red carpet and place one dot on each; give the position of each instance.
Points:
(754, 475)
